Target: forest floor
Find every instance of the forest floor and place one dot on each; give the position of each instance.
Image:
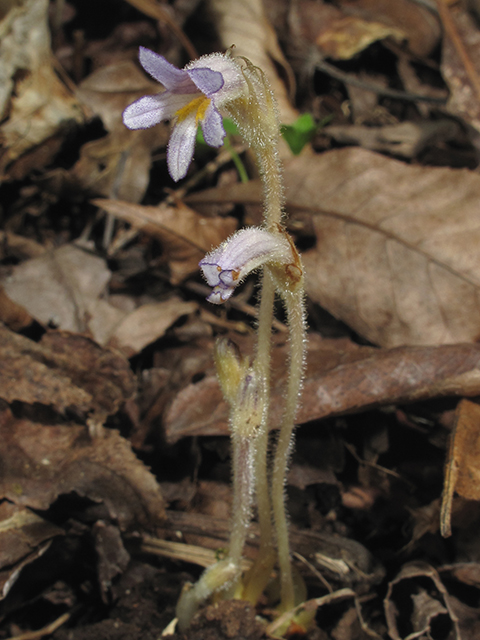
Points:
(115, 472)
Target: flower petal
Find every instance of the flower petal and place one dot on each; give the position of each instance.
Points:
(207, 80)
(212, 127)
(150, 110)
(181, 146)
(234, 83)
(167, 74)
(219, 295)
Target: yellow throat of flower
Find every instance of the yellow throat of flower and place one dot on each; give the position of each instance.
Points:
(198, 106)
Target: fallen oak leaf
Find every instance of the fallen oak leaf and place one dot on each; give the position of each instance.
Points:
(396, 253)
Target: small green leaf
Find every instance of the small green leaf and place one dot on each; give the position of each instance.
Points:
(298, 134)
(230, 127)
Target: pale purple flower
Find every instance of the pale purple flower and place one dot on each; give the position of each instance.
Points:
(248, 249)
(192, 95)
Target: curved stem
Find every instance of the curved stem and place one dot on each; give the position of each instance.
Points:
(269, 164)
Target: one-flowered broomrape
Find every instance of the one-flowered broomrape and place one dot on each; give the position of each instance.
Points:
(197, 95)
(192, 95)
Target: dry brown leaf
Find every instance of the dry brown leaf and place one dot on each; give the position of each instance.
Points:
(13, 314)
(63, 288)
(341, 377)
(63, 371)
(426, 607)
(349, 35)
(24, 536)
(185, 235)
(397, 245)
(420, 25)
(148, 323)
(462, 471)
(112, 556)
(40, 462)
(36, 102)
(405, 139)
(243, 23)
(461, 62)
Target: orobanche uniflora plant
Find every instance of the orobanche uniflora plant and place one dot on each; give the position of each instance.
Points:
(199, 94)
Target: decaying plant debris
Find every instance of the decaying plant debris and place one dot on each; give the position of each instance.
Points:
(114, 457)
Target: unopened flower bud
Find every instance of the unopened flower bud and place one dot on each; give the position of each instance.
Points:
(231, 368)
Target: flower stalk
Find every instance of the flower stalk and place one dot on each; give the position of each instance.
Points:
(197, 95)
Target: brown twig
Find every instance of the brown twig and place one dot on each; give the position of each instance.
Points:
(348, 78)
(157, 12)
(44, 631)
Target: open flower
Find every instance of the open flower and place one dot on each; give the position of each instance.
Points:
(248, 249)
(193, 95)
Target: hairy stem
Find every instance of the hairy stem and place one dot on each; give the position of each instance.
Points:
(259, 575)
(294, 304)
(243, 485)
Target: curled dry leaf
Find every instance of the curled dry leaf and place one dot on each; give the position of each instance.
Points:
(349, 35)
(63, 371)
(426, 605)
(40, 462)
(24, 536)
(243, 23)
(397, 245)
(36, 102)
(463, 461)
(341, 377)
(185, 235)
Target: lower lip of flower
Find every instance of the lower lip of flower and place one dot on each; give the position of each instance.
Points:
(198, 106)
